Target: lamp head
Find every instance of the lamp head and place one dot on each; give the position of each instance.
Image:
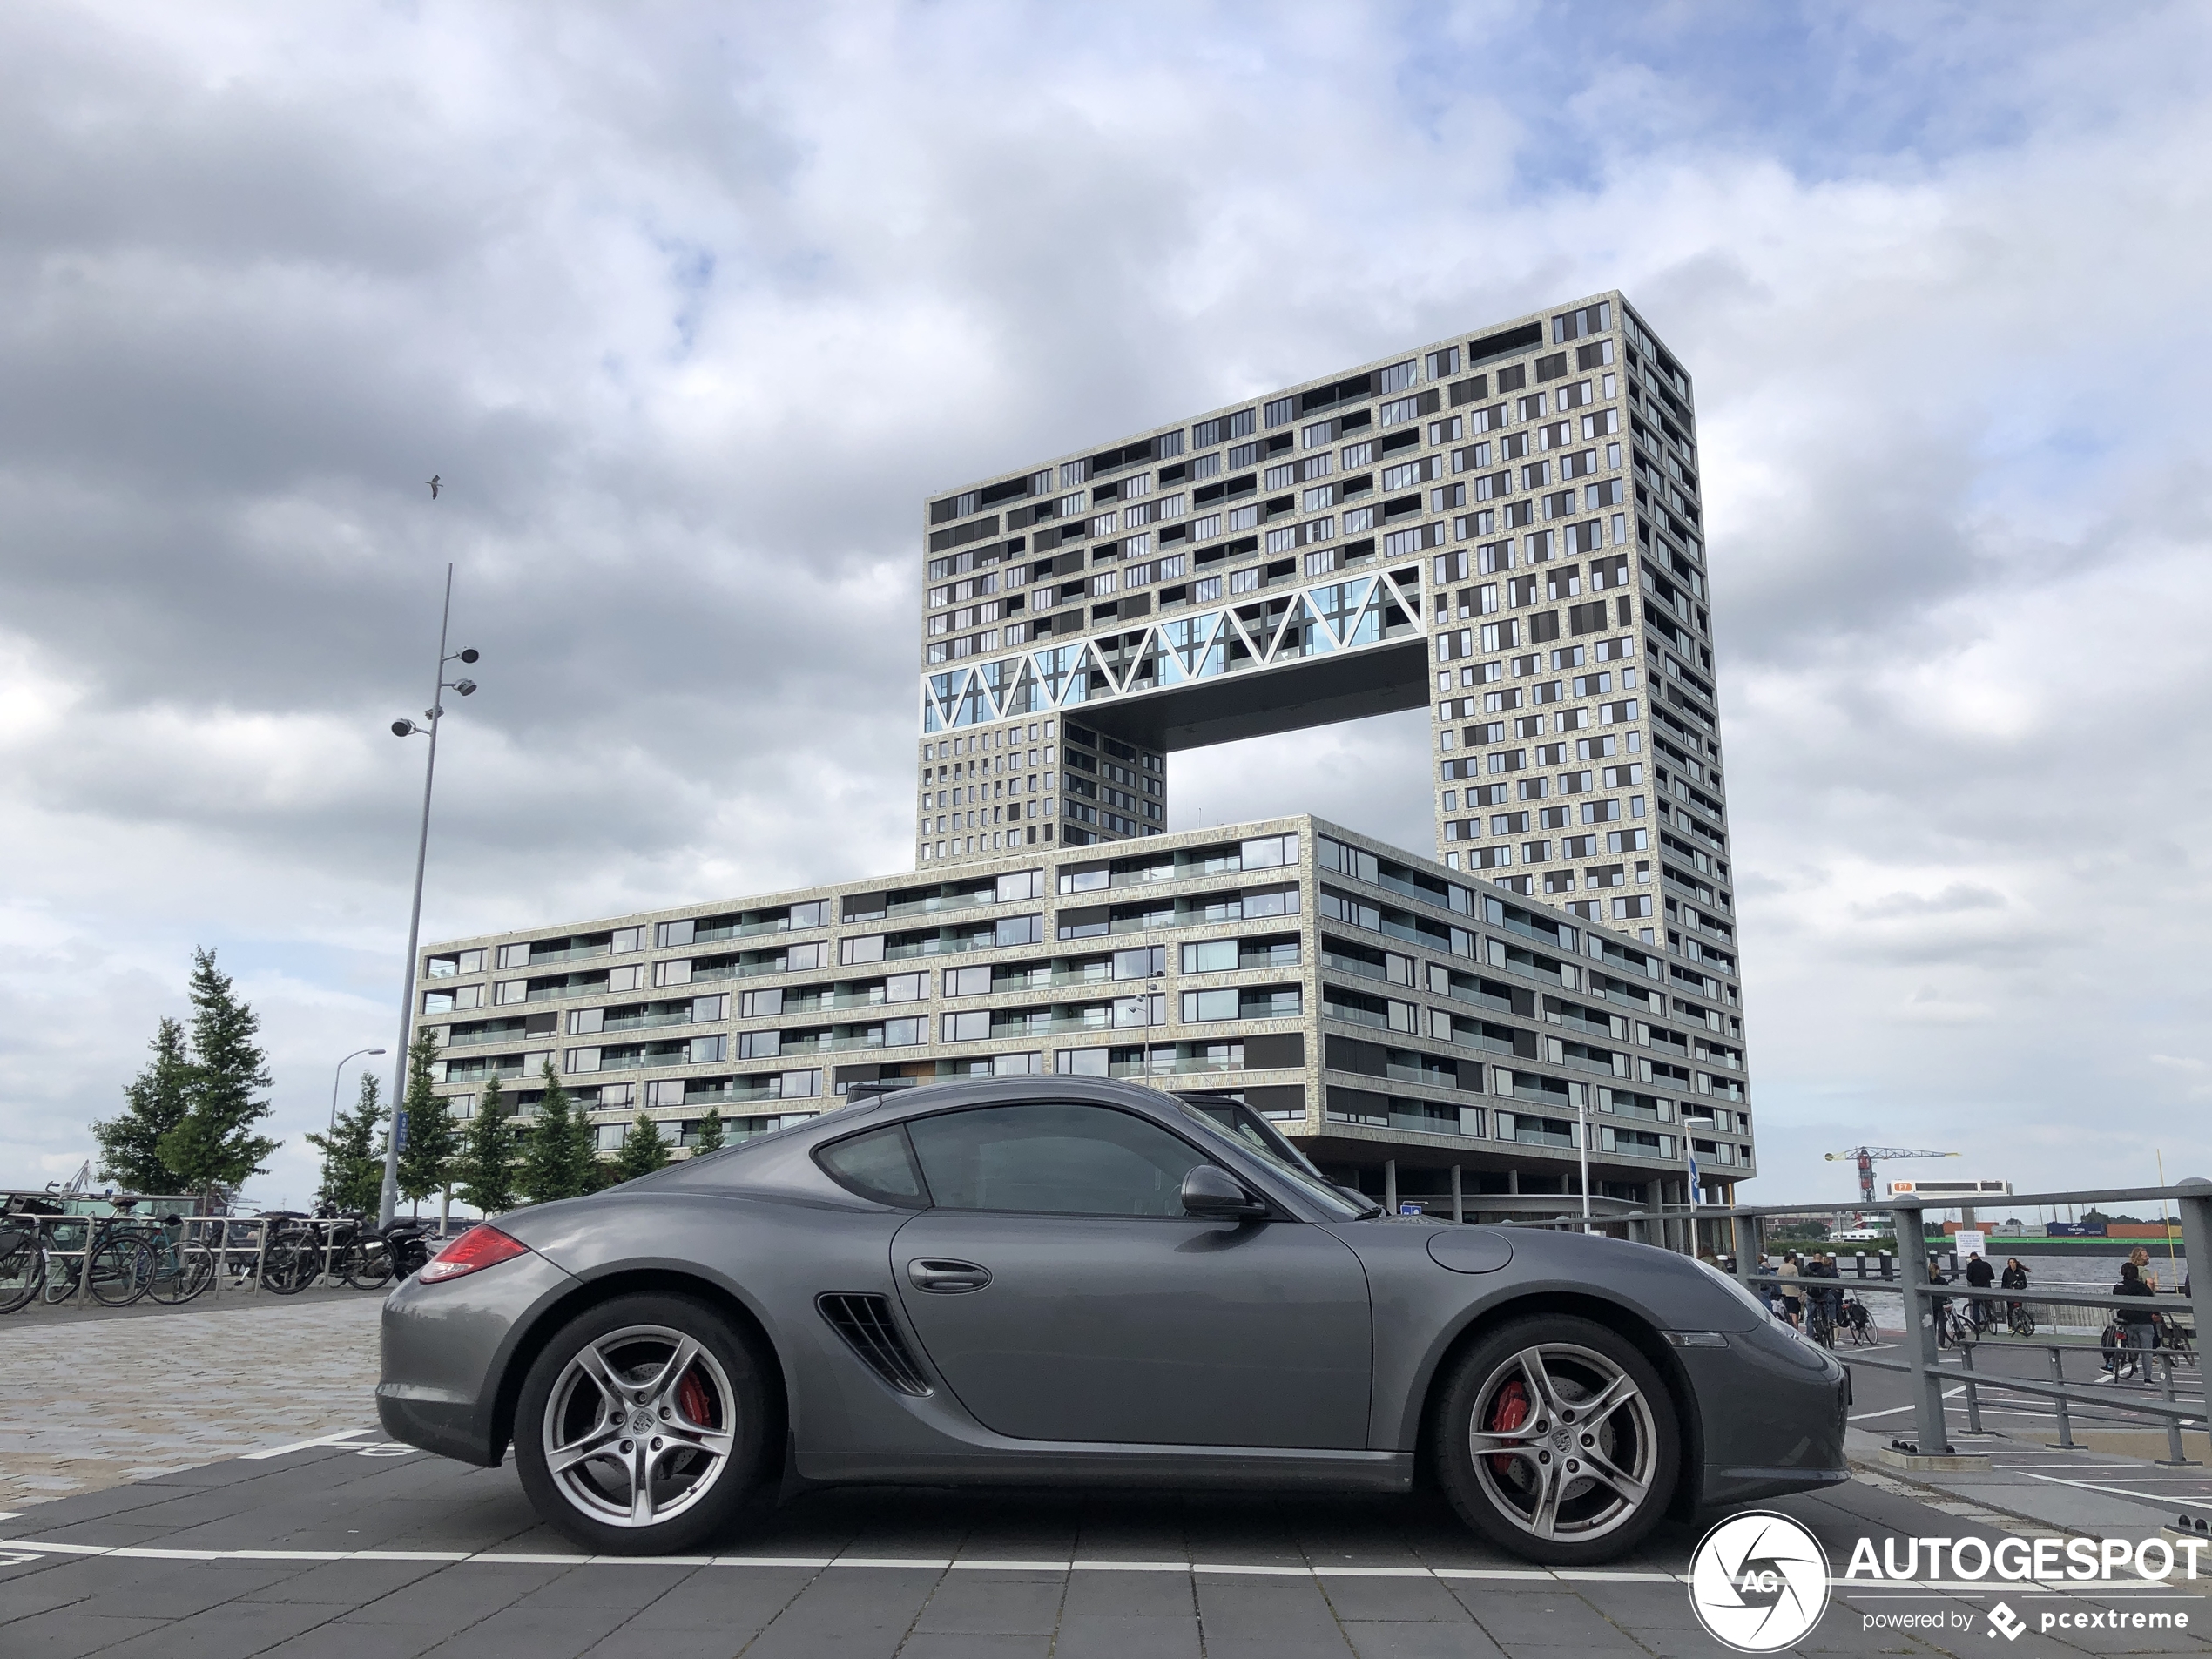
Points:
(467, 688)
(468, 655)
(403, 728)
(376, 1051)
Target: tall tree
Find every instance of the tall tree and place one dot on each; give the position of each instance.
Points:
(483, 1175)
(709, 1138)
(213, 1146)
(556, 1160)
(154, 1103)
(426, 1160)
(353, 1156)
(643, 1150)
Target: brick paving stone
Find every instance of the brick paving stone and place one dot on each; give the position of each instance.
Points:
(178, 1391)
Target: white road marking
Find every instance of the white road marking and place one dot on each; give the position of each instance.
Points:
(1892, 1411)
(2117, 1491)
(935, 1564)
(285, 1451)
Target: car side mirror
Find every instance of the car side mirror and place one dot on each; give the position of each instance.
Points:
(1211, 1191)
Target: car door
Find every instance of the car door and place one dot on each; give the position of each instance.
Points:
(1062, 1293)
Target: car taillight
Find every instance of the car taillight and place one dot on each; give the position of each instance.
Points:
(481, 1246)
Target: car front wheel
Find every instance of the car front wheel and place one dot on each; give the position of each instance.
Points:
(643, 1426)
(1556, 1439)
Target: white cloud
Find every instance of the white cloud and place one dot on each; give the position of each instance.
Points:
(691, 310)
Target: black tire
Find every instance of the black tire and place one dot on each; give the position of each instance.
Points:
(23, 1270)
(365, 1269)
(290, 1267)
(180, 1272)
(710, 1427)
(121, 1271)
(1540, 1495)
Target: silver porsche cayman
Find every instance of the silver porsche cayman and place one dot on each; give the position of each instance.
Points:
(1075, 1282)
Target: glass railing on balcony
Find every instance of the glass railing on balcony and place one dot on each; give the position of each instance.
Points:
(1420, 1074)
(573, 954)
(1424, 1124)
(736, 970)
(647, 1021)
(512, 1034)
(1528, 1135)
(1183, 1065)
(546, 993)
(832, 1045)
(939, 947)
(1357, 1016)
(1354, 965)
(701, 1100)
(742, 930)
(944, 902)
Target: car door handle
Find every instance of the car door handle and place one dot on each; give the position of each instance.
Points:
(931, 1273)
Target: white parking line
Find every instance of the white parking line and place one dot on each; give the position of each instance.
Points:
(303, 1446)
(912, 1563)
(2117, 1491)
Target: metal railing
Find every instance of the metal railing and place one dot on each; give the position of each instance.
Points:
(1744, 1228)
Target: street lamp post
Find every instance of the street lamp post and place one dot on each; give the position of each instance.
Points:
(331, 1133)
(389, 1200)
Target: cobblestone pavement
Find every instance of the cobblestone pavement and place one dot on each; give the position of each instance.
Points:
(91, 1403)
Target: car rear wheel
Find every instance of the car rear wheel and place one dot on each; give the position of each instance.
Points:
(643, 1426)
(1556, 1441)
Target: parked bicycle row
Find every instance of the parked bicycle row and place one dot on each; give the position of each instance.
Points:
(115, 1260)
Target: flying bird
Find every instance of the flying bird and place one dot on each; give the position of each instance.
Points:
(434, 486)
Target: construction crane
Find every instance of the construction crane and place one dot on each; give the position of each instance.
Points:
(1865, 1157)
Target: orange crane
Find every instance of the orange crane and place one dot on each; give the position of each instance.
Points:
(1865, 1157)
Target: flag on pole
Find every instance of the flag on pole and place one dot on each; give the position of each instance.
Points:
(1693, 1175)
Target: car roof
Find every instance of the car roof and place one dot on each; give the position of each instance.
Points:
(762, 1157)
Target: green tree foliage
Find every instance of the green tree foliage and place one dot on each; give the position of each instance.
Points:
(557, 1158)
(213, 1145)
(426, 1161)
(483, 1173)
(353, 1156)
(154, 1103)
(709, 1138)
(643, 1150)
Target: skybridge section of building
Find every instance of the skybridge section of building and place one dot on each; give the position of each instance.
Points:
(1377, 1008)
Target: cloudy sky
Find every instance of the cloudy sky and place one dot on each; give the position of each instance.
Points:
(689, 306)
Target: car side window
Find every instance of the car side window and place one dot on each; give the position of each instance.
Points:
(876, 1165)
(1052, 1159)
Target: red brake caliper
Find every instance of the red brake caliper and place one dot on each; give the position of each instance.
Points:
(693, 1399)
(1508, 1411)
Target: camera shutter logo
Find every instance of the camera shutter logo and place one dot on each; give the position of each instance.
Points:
(1758, 1582)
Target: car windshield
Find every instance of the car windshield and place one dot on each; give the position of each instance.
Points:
(1234, 1121)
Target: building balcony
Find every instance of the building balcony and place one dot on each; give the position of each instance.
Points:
(572, 954)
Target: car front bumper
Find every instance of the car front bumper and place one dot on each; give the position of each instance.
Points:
(1772, 1408)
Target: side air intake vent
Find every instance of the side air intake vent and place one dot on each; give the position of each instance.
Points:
(864, 1321)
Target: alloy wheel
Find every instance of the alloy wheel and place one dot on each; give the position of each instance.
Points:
(640, 1425)
(1563, 1443)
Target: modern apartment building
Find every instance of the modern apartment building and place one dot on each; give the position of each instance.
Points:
(1502, 527)
(1419, 1033)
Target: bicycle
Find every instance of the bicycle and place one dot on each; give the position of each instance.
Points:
(120, 1266)
(1820, 1325)
(2018, 1321)
(1955, 1330)
(23, 1257)
(1858, 1322)
(377, 1256)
